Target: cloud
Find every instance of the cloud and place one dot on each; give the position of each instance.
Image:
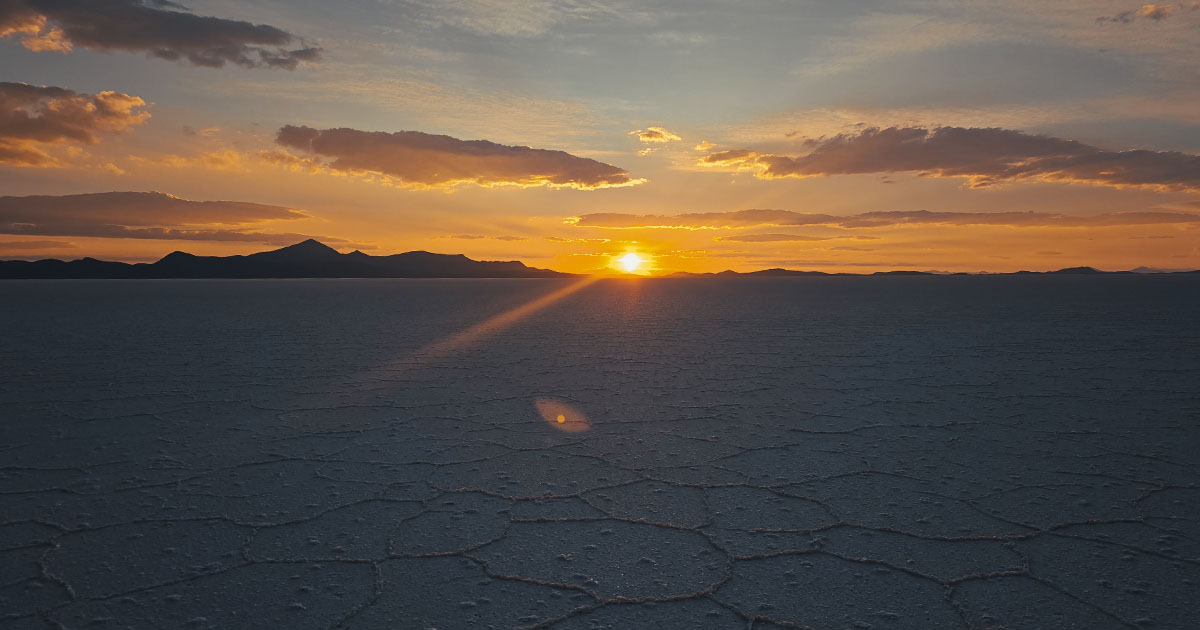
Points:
(219, 160)
(562, 239)
(422, 160)
(510, 18)
(755, 217)
(159, 28)
(702, 220)
(144, 215)
(475, 237)
(1156, 12)
(771, 238)
(655, 134)
(984, 156)
(22, 245)
(33, 119)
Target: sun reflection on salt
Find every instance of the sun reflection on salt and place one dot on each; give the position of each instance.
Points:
(562, 416)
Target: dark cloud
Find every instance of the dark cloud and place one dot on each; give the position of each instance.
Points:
(419, 159)
(160, 29)
(984, 156)
(750, 218)
(143, 215)
(32, 118)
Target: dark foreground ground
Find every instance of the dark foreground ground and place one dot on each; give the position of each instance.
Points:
(828, 453)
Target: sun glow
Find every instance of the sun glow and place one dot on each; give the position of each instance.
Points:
(630, 262)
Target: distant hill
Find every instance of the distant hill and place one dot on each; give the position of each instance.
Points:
(307, 259)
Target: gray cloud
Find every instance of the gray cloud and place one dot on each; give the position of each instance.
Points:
(33, 118)
(143, 215)
(984, 156)
(420, 159)
(160, 29)
(755, 217)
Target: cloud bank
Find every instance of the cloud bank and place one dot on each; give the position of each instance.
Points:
(756, 217)
(422, 160)
(33, 119)
(143, 215)
(984, 156)
(159, 28)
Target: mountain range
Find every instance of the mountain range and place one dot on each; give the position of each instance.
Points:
(313, 259)
(307, 259)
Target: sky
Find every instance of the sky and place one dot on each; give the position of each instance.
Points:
(702, 135)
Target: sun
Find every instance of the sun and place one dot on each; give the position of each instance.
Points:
(630, 262)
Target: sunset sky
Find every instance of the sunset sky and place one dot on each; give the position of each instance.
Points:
(703, 135)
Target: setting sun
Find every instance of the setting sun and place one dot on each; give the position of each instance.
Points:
(630, 262)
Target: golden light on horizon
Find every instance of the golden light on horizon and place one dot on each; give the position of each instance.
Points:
(630, 262)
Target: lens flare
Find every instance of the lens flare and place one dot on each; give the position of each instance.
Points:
(562, 416)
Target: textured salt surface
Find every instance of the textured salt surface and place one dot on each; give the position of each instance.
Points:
(916, 453)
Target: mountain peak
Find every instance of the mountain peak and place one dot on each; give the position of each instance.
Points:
(310, 244)
(306, 250)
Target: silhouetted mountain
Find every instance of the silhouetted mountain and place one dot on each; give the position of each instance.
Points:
(773, 272)
(1077, 271)
(307, 259)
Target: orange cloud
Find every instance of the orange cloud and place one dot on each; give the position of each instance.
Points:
(422, 160)
(1156, 12)
(151, 26)
(756, 217)
(984, 156)
(771, 238)
(476, 237)
(222, 160)
(33, 119)
(21, 245)
(655, 134)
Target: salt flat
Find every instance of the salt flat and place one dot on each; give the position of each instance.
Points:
(829, 453)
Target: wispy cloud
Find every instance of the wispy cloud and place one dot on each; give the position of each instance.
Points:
(25, 245)
(422, 160)
(758, 217)
(655, 135)
(511, 18)
(145, 215)
(771, 238)
(159, 28)
(476, 237)
(983, 156)
(1155, 12)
